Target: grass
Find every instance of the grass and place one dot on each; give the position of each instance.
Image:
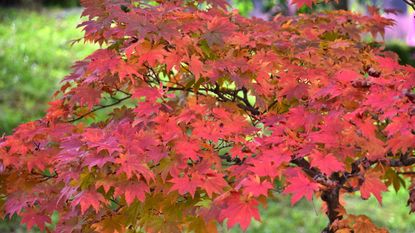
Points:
(307, 217)
(35, 53)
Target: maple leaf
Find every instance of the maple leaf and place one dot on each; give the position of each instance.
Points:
(214, 106)
(190, 149)
(219, 3)
(127, 70)
(372, 185)
(185, 184)
(301, 3)
(172, 60)
(151, 94)
(32, 217)
(112, 224)
(195, 66)
(156, 154)
(98, 159)
(218, 29)
(363, 224)
(146, 52)
(132, 166)
(87, 199)
(254, 186)
(301, 118)
(327, 163)
(300, 186)
(268, 163)
(17, 202)
(240, 211)
(145, 110)
(402, 141)
(96, 138)
(86, 95)
(346, 76)
(382, 100)
(132, 191)
(200, 225)
(39, 160)
(212, 183)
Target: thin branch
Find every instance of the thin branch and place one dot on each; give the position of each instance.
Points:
(410, 3)
(314, 173)
(45, 177)
(406, 173)
(403, 161)
(99, 108)
(271, 105)
(155, 75)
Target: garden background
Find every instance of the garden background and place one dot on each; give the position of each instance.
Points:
(36, 52)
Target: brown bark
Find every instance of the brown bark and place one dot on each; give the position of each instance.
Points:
(331, 198)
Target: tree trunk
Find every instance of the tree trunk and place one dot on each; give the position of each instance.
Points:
(341, 5)
(331, 198)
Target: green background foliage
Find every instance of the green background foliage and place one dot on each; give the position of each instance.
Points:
(306, 217)
(35, 53)
(39, 3)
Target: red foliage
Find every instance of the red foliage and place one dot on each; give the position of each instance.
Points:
(189, 115)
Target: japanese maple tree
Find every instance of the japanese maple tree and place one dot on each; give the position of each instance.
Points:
(190, 115)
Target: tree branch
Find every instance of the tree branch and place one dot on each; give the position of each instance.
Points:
(99, 108)
(410, 3)
(403, 161)
(406, 173)
(314, 173)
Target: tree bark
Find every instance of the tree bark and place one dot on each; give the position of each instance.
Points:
(331, 198)
(341, 5)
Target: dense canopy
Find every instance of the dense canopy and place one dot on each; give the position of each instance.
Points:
(190, 115)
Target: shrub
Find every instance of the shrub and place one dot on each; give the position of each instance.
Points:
(190, 115)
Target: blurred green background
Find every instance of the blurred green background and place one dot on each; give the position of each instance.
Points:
(36, 53)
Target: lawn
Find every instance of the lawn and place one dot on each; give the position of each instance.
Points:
(35, 53)
(306, 217)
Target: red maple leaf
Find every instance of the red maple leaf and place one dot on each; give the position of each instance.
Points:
(190, 149)
(268, 163)
(172, 60)
(200, 110)
(86, 95)
(87, 199)
(33, 217)
(195, 66)
(253, 186)
(132, 191)
(300, 186)
(132, 166)
(219, 3)
(240, 210)
(372, 185)
(97, 159)
(301, 3)
(212, 183)
(327, 163)
(185, 184)
(346, 76)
